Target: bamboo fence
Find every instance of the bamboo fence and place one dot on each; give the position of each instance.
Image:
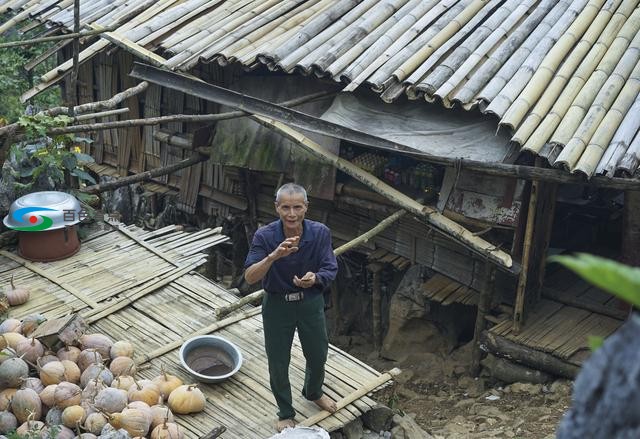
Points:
(140, 286)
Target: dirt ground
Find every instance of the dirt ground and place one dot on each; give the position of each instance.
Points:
(436, 389)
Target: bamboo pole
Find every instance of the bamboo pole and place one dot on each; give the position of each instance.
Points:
(385, 223)
(431, 215)
(73, 82)
(376, 301)
(484, 306)
(368, 387)
(65, 37)
(203, 331)
(142, 176)
(518, 310)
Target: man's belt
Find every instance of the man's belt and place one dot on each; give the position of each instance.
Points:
(294, 296)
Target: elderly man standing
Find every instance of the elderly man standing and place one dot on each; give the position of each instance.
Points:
(294, 259)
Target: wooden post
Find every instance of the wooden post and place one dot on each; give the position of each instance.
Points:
(484, 305)
(73, 84)
(543, 229)
(518, 311)
(631, 228)
(376, 303)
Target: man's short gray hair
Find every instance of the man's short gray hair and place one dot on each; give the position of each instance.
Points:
(291, 189)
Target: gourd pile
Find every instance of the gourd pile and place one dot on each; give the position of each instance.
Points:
(87, 391)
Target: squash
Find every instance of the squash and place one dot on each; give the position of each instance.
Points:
(8, 422)
(145, 391)
(160, 413)
(166, 383)
(31, 428)
(47, 395)
(26, 405)
(186, 399)
(30, 350)
(122, 349)
(31, 322)
(16, 295)
(52, 373)
(10, 325)
(123, 366)
(67, 394)
(96, 371)
(70, 353)
(111, 400)
(167, 430)
(73, 415)
(88, 357)
(99, 342)
(33, 383)
(95, 422)
(133, 421)
(13, 372)
(123, 382)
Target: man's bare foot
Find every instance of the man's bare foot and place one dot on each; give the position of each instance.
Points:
(284, 423)
(325, 403)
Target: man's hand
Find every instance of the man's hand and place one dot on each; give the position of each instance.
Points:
(286, 247)
(306, 281)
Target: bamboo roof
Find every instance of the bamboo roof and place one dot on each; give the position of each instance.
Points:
(141, 286)
(562, 76)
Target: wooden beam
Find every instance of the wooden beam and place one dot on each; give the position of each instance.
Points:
(518, 311)
(484, 306)
(65, 38)
(213, 93)
(126, 44)
(142, 176)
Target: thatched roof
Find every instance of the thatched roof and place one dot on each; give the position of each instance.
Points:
(562, 75)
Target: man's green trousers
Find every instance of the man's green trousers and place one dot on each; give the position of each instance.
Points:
(280, 320)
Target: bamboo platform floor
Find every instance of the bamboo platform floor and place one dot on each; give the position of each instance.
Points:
(562, 321)
(149, 276)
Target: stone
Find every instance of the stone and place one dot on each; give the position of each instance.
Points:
(606, 393)
(378, 419)
(465, 403)
(405, 427)
(531, 389)
(473, 387)
(336, 435)
(562, 387)
(353, 430)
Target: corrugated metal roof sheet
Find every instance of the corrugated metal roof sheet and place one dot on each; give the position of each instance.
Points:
(564, 76)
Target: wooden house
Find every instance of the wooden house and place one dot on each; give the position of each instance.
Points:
(557, 80)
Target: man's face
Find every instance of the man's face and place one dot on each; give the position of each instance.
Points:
(291, 209)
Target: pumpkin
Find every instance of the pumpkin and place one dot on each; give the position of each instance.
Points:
(52, 373)
(54, 416)
(95, 422)
(88, 357)
(57, 432)
(10, 325)
(94, 371)
(122, 349)
(123, 382)
(92, 389)
(186, 399)
(71, 371)
(143, 407)
(99, 342)
(8, 422)
(31, 428)
(5, 398)
(111, 400)
(144, 391)
(167, 430)
(87, 436)
(70, 353)
(166, 383)
(26, 404)
(10, 340)
(159, 414)
(16, 295)
(6, 353)
(13, 372)
(67, 394)
(47, 358)
(73, 415)
(32, 383)
(31, 322)
(47, 395)
(133, 421)
(123, 366)
(30, 350)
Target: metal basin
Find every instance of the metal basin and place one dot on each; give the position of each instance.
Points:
(49, 210)
(210, 359)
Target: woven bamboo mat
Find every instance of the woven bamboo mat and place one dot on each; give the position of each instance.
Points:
(442, 289)
(140, 286)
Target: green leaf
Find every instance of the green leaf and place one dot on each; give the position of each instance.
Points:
(611, 276)
(595, 342)
(83, 175)
(69, 161)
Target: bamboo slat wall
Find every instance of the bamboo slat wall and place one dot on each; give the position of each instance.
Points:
(550, 70)
(159, 300)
